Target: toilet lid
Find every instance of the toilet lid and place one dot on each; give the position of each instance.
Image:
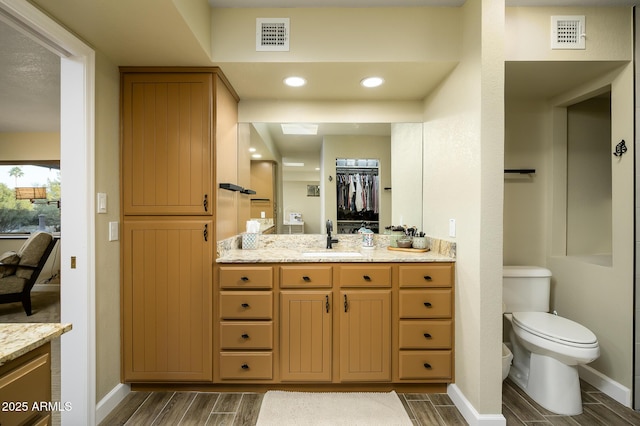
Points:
(555, 328)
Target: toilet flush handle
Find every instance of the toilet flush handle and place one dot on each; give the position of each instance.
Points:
(555, 312)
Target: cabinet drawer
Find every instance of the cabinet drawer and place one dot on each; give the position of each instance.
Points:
(246, 305)
(425, 365)
(26, 380)
(365, 276)
(428, 303)
(305, 276)
(432, 275)
(246, 277)
(246, 365)
(425, 334)
(246, 335)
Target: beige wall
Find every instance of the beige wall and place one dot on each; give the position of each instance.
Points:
(608, 29)
(30, 146)
(107, 180)
(527, 145)
(463, 157)
(535, 207)
(296, 201)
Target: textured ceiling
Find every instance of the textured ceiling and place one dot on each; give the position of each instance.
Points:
(29, 86)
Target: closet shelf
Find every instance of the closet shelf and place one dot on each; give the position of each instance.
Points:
(520, 171)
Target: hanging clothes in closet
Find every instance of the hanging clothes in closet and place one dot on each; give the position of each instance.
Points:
(357, 190)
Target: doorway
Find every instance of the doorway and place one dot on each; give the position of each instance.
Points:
(77, 71)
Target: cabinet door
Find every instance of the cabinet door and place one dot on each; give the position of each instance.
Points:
(167, 301)
(167, 143)
(305, 333)
(365, 335)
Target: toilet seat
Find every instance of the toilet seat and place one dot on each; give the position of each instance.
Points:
(556, 329)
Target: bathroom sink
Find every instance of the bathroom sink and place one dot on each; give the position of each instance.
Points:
(332, 254)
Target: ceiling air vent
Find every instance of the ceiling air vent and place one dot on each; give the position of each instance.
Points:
(272, 34)
(567, 32)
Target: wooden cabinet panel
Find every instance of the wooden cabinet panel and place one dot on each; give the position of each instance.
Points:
(246, 335)
(425, 334)
(425, 365)
(246, 365)
(246, 305)
(23, 382)
(306, 276)
(431, 275)
(364, 276)
(365, 335)
(426, 303)
(250, 277)
(305, 333)
(167, 301)
(167, 144)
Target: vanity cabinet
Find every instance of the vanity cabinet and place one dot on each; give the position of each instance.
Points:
(425, 326)
(246, 332)
(365, 322)
(25, 382)
(335, 323)
(172, 119)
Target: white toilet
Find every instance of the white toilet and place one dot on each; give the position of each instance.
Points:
(546, 348)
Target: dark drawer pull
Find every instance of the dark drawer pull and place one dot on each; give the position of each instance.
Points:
(245, 305)
(245, 336)
(306, 279)
(366, 277)
(427, 366)
(427, 336)
(428, 278)
(245, 279)
(246, 366)
(427, 304)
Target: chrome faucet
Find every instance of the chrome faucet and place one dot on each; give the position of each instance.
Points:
(330, 240)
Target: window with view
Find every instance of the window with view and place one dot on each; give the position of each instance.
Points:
(29, 198)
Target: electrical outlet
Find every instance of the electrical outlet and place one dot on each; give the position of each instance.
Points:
(114, 231)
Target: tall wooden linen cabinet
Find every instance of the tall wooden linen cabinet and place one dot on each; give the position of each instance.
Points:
(171, 121)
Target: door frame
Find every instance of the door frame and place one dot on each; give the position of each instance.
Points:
(77, 141)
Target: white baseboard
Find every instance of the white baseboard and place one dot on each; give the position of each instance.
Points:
(469, 412)
(46, 287)
(604, 384)
(110, 401)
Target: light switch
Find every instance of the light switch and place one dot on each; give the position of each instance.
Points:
(114, 231)
(102, 202)
(452, 227)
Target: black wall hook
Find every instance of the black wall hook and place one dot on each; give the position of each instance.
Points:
(621, 148)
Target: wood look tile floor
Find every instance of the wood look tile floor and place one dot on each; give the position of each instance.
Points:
(234, 409)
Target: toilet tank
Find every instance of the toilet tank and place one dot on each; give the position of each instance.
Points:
(526, 288)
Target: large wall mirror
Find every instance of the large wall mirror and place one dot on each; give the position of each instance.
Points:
(345, 172)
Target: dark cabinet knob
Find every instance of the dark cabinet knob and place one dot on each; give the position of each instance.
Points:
(428, 278)
(245, 336)
(244, 279)
(244, 366)
(306, 279)
(245, 305)
(427, 304)
(427, 366)
(366, 277)
(427, 336)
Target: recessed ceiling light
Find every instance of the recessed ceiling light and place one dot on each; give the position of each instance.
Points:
(299, 129)
(256, 156)
(252, 149)
(372, 81)
(295, 81)
(290, 164)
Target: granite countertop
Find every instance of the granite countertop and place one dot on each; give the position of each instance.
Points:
(17, 339)
(297, 248)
